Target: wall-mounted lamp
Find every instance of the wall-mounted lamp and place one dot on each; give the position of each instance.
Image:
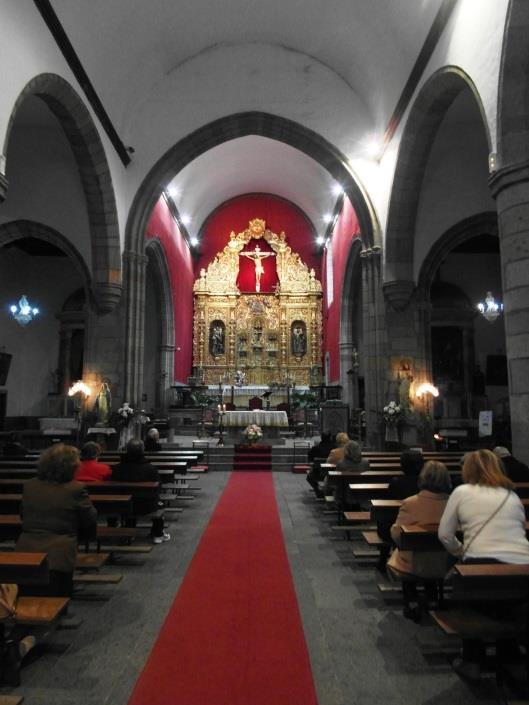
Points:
(23, 313)
(426, 388)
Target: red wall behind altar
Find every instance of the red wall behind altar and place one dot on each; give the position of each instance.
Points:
(345, 230)
(279, 214)
(163, 226)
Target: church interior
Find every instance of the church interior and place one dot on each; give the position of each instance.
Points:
(254, 226)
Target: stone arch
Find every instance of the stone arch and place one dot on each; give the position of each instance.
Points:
(96, 180)
(426, 114)
(188, 149)
(480, 224)
(18, 229)
(156, 256)
(513, 96)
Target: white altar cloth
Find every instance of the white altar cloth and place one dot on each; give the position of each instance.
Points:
(274, 419)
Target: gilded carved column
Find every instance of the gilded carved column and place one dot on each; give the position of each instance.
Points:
(510, 187)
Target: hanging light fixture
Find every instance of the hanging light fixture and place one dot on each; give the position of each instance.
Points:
(490, 309)
(23, 313)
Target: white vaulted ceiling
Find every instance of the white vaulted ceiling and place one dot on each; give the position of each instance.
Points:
(353, 56)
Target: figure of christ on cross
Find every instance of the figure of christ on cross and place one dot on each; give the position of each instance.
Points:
(257, 255)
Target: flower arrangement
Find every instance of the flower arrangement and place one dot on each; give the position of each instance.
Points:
(392, 412)
(253, 433)
(125, 411)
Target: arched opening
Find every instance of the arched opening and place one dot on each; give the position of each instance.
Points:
(47, 351)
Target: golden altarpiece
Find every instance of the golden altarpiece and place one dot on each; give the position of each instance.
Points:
(271, 338)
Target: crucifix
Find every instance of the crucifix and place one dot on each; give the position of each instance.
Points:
(257, 255)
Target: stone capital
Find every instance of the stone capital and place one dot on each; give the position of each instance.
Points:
(507, 176)
(398, 293)
(107, 296)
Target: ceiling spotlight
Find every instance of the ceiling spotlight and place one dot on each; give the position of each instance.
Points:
(337, 189)
(193, 241)
(173, 191)
(320, 240)
(327, 218)
(373, 147)
(185, 218)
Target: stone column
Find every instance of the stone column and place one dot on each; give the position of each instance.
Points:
(510, 187)
(134, 266)
(373, 343)
(166, 374)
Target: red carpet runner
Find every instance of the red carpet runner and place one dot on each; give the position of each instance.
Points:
(255, 457)
(233, 635)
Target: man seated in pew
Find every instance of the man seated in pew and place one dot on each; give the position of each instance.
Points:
(134, 467)
(406, 485)
(513, 468)
(428, 567)
(492, 519)
(152, 442)
(90, 469)
(316, 453)
(13, 447)
(55, 510)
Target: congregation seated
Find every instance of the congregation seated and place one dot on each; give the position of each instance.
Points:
(134, 467)
(411, 462)
(336, 454)
(13, 447)
(55, 509)
(152, 442)
(352, 459)
(426, 507)
(90, 469)
(316, 453)
(491, 517)
(514, 468)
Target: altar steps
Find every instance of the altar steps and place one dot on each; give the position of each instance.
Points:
(252, 458)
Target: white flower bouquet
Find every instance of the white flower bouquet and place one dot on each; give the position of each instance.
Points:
(253, 433)
(392, 412)
(125, 411)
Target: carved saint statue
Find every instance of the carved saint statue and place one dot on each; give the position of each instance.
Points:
(405, 378)
(216, 342)
(257, 255)
(299, 341)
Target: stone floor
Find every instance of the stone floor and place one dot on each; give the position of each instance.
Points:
(362, 650)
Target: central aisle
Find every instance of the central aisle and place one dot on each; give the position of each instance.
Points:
(233, 635)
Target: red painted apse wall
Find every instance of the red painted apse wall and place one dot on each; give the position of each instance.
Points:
(163, 226)
(345, 230)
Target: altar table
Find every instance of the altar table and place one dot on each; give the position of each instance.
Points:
(241, 419)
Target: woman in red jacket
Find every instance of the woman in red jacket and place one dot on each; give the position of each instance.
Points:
(90, 469)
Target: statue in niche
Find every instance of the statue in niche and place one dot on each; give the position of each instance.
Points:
(299, 340)
(103, 404)
(216, 340)
(405, 378)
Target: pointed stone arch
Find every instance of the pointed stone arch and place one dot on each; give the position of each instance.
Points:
(88, 151)
(185, 151)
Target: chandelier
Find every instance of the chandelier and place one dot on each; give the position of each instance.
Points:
(23, 313)
(490, 309)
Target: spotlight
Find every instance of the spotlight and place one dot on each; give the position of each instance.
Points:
(337, 189)
(173, 191)
(186, 219)
(194, 241)
(327, 218)
(320, 240)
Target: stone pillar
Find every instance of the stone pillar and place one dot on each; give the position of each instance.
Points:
(510, 187)
(166, 374)
(135, 266)
(347, 378)
(373, 343)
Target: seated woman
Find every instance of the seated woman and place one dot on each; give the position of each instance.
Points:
(55, 508)
(492, 519)
(336, 453)
(316, 453)
(426, 507)
(352, 462)
(406, 485)
(134, 467)
(90, 469)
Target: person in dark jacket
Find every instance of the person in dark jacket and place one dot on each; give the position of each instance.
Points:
(54, 509)
(317, 454)
(514, 468)
(152, 442)
(134, 467)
